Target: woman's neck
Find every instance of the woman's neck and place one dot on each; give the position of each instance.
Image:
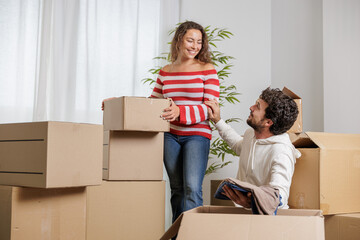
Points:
(186, 61)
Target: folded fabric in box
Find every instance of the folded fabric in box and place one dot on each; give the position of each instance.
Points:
(264, 199)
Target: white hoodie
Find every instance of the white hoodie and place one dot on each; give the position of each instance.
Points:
(263, 162)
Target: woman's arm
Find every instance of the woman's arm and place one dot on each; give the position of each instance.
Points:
(192, 114)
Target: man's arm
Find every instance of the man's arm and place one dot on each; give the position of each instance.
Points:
(282, 170)
(226, 132)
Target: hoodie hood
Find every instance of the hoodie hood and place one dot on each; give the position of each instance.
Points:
(279, 139)
(282, 139)
(276, 139)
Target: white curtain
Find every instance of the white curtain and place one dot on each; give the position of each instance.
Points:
(18, 49)
(60, 58)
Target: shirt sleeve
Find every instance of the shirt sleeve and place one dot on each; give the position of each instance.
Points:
(230, 136)
(282, 170)
(157, 91)
(192, 114)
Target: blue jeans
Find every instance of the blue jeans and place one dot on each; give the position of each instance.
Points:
(185, 159)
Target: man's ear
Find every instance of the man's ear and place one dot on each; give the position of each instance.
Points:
(268, 122)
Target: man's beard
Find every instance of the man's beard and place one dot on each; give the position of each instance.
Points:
(256, 126)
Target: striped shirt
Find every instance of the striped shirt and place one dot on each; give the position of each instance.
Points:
(189, 90)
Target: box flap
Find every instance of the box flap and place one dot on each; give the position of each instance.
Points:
(290, 93)
(225, 210)
(301, 140)
(335, 140)
(299, 212)
(173, 230)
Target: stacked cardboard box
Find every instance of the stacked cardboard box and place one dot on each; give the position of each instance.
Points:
(326, 177)
(342, 226)
(45, 166)
(130, 203)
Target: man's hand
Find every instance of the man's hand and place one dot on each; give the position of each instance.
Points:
(237, 196)
(213, 110)
(171, 113)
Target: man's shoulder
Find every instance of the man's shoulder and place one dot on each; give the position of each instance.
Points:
(249, 132)
(280, 150)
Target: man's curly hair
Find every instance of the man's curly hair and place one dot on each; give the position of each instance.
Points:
(282, 110)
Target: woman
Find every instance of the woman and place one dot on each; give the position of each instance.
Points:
(188, 81)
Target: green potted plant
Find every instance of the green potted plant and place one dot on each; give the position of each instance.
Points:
(228, 93)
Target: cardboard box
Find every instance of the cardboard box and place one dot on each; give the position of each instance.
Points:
(342, 227)
(213, 222)
(133, 155)
(135, 114)
(298, 125)
(50, 154)
(214, 201)
(327, 175)
(126, 210)
(47, 214)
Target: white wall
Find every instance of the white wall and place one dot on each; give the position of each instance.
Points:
(341, 66)
(310, 46)
(250, 45)
(316, 52)
(296, 55)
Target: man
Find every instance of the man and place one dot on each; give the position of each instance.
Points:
(267, 156)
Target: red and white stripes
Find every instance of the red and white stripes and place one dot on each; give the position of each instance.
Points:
(189, 90)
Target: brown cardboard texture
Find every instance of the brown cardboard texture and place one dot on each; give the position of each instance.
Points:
(342, 227)
(133, 155)
(214, 201)
(128, 210)
(298, 125)
(135, 114)
(215, 222)
(327, 175)
(50, 154)
(35, 213)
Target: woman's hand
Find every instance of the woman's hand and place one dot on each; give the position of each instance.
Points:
(171, 113)
(237, 196)
(107, 99)
(213, 110)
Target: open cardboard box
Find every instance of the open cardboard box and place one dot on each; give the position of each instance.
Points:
(50, 154)
(327, 175)
(223, 222)
(135, 114)
(298, 124)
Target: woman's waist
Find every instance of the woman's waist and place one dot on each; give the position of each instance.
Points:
(177, 125)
